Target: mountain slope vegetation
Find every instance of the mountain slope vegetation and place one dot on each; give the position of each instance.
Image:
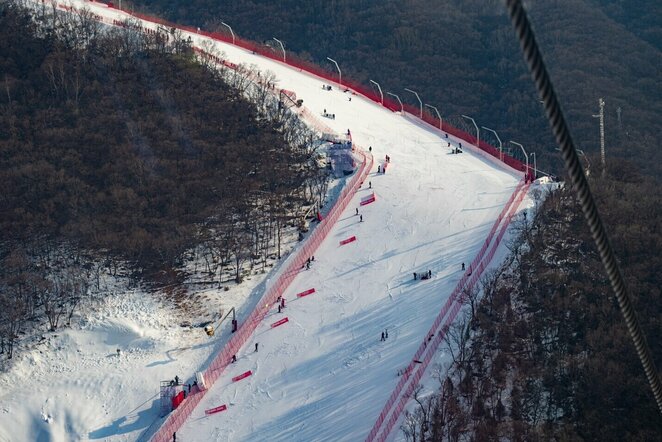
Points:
(125, 143)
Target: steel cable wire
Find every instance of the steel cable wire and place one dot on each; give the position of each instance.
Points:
(560, 129)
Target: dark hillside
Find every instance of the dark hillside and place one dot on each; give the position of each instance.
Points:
(125, 144)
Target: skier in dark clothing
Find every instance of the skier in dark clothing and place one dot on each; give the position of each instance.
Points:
(383, 338)
(234, 358)
(360, 218)
(308, 265)
(414, 276)
(357, 210)
(429, 274)
(379, 169)
(370, 149)
(386, 334)
(462, 266)
(370, 185)
(312, 258)
(279, 308)
(256, 344)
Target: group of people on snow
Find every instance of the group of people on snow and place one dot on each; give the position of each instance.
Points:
(424, 275)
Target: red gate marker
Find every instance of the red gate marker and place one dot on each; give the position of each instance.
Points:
(348, 240)
(242, 376)
(305, 293)
(281, 322)
(367, 200)
(216, 409)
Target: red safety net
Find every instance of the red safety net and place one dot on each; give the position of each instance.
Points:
(177, 399)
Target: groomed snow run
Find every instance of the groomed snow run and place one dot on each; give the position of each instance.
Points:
(325, 375)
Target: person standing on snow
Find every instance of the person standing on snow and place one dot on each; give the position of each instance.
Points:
(256, 344)
(383, 338)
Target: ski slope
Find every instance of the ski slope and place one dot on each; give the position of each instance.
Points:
(325, 375)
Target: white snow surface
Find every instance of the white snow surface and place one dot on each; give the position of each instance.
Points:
(323, 376)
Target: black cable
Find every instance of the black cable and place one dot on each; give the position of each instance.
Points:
(545, 88)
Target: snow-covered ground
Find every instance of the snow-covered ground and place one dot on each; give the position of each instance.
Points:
(325, 375)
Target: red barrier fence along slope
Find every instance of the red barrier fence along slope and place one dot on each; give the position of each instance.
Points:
(419, 362)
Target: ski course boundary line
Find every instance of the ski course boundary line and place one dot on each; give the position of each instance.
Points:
(415, 370)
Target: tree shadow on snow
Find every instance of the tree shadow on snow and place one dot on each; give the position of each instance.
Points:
(128, 423)
(171, 357)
